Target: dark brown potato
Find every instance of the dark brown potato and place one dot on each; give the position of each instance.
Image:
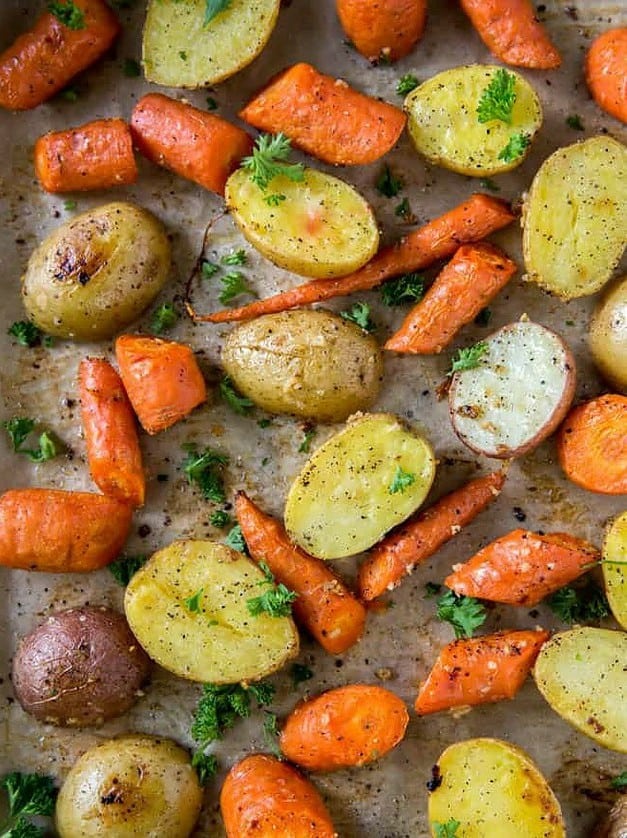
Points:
(79, 668)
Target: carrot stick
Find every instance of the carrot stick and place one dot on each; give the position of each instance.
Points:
(95, 156)
(325, 117)
(523, 567)
(61, 532)
(350, 725)
(162, 380)
(115, 461)
(43, 60)
(606, 72)
(196, 145)
(592, 445)
(324, 606)
(383, 29)
(512, 32)
(479, 670)
(419, 537)
(475, 274)
(262, 796)
(472, 220)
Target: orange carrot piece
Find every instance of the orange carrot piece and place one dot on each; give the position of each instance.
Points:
(196, 145)
(61, 532)
(419, 537)
(351, 725)
(383, 29)
(162, 380)
(113, 454)
(512, 32)
(265, 798)
(480, 670)
(475, 274)
(472, 220)
(592, 445)
(523, 567)
(94, 156)
(606, 72)
(324, 606)
(325, 117)
(43, 60)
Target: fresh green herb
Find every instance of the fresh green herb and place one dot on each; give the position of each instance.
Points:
(269, 159)
(220, 519)
(483, 318)
(235, 539)
(213, 8)
(464, 613)
(486, 183)
(264, 423)
(208, 269)
(47, 341)
(619, 782)
(182, 55)
(192, 603)
(23, 828)
(271, 733)
(570, 322)
(406, 84)
(276, 601)
(387, 184)
(404, 211)
(48, 449)
(233, 285)
(221, 705)
(237, 403)
(305, 445)
(30, 795)
(205, 470)
(469, 358)
(300, 673)
(432, 589)
(575, 122)
(25, 333)
(497, 99)
(212, 105)
(446, 830)
(124, 568)
(69, 205)
(131, 68)
(206, 766)
(360, 314)
(163, 319)
(274, 200)
(402, 480)
(515, 148)
(265, 461)
(67, 13)
(235, 257)
(404, 289)
(579, 605)
(70, 94)
(19, 429)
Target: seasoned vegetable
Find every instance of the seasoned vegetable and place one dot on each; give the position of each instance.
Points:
(96, 273)
(493, 788)
(188, 608)
(363, 481)
(575, 216)
(309, 363)
(606, 70)
(383, 31)
(450, 128)
(130, 786)
(581, 673)
(607, 336)
(183, 46)
(517, 393)
(615, 567)
(79, 668)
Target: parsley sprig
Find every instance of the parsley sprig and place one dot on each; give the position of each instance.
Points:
(269, 160)
(468, 358)
(235, 540)
(19, 429)
(579, 605)
(125, 567)
(359, 313)
(30, 795)
(205, 470)
(238, 403)
(276, 600)
(220, 706)
(67, 13)
(446, 830)
(498, 98)
(387, 183)
(404, 289)
(234, 284)
(213, 8)
(25, 333)
(164, 318)
(515, 148)
(620, 781)
(402, 480)
(406, 84)
(464, 613)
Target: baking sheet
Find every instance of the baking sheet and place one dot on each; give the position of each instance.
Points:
(387, 799)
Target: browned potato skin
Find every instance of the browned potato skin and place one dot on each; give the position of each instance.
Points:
(615, 824)
(608, 335)
(308, 363)
(79, 668)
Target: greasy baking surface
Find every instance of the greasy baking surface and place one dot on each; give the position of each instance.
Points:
(388, 798)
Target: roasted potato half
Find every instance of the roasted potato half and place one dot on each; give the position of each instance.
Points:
(96, 273)
(575, 217)
(320, 226)
(490, 788)
(309, 363)
(607, 336)
(615, 567)
(180, 50)
(443, 121)
(217, 640)
(131, 786)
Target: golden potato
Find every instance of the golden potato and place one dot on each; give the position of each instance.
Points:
(615, 567)
(607, 336)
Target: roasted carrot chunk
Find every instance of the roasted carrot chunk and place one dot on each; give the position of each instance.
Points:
(606, 72)
(383, 29)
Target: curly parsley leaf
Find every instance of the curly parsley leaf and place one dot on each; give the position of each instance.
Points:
(579, 605)
(213, 8)
(575, 122)
(271, 733)
(29, 794)
(234, 284)
(360, 314)
(515, 148)
(275, 199)
(192, 603)
(269, 159)
(208, 269)
(276, 601)
(206, 766)
(619, 782)
(163, 319)
(124, 568)
(404, 289)
(23, 828)
(235, 257)
(446, 830)
(402, 480)
(19, 429)
(464, 613)
(305, 445)
(498, 98)
(387, 184)
(406, 84)
(221, 705)
(220, 519)
(67, 13)
(235, 540)
(205, 470)
(299, 673)
(238, 403)
(25, 333)
(469, 358)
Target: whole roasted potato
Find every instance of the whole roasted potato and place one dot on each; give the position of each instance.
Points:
(309, 363)
(608, 335)
(129, 787)
(80, 667)
(95, 274)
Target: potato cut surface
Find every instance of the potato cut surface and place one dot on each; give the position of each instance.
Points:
(615, 575)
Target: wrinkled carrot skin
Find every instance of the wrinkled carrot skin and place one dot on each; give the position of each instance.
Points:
(95, 156)
(325, 606)
(162, 380)
(421, 536)
(113, 453)
(606, 72)
(511, 31)
(61, 532)
(523, 567)
(265, 798)
(351, 725)
(473, 277)
(196, 145)
(472, 220)
(383, 29)
(325, 117)
(43, 60)
(480, 670)
(592, 445)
